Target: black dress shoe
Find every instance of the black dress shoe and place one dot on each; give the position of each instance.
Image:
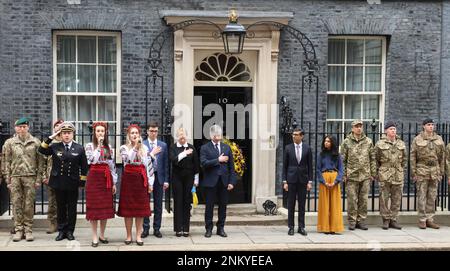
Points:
(140, 243)
(94, 244)
(127, 242)
(157, 233)
(144, 234)
(103, 241)
(70, 236)
(302, 231)
(61, 236)
(291, 231)
(186, 234)
(208, 233)
(222, 233)
(178, 234)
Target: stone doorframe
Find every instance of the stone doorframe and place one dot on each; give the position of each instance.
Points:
(266, 43)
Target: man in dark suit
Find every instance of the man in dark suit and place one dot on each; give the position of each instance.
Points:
(216, 160)
(69, 170)
(297, 178)
(160, 158)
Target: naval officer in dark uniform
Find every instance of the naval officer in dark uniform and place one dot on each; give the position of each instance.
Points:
(68, 173)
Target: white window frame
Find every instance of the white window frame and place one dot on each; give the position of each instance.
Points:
(118, 92)
(382, 91)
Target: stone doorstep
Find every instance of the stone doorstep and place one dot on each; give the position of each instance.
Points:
(442, 217)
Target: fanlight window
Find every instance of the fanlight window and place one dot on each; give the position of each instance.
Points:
(222, 68)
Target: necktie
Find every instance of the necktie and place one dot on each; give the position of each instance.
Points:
(298, 154)
(67, 147)
(217, 148)
(155, 161)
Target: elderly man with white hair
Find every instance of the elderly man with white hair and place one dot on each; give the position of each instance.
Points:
(216, 160)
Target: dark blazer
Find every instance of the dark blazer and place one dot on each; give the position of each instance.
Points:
(68, 168)
(294, 172)
(189, 166)
(162, 158)
(212, 169)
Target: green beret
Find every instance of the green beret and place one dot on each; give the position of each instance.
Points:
(22, 121)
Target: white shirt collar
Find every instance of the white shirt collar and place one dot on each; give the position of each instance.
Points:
(301, 144)
(154, 142)
(179, 145)
(215, 143)
(70, 144)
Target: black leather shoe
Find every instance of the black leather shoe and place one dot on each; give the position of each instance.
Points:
(208, 233)
(103, 241)
(94, 244)
(70, 236)
(144, 234)
(127, 242)
(302, 231)
(140, 243)
(61, 236)
(157, 233)
(178, 234)
(291, 231)
(222, 233)
(186, 234)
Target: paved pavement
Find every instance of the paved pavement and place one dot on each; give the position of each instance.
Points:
(244, 238)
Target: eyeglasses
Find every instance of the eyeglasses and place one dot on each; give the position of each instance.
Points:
(153, 131)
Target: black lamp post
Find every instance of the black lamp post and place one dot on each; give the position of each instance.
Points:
(233, 35)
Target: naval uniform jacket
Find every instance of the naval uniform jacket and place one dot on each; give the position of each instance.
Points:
(69, 168)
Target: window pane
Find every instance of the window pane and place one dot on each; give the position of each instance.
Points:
(65, 49)
(86, 108)
(354, 78)
(86, 78)
(355, 51)
(371, 104)
(65, 75)
(107, 50)
(336, 51)
(373, 51)
(373, 78)
(66, 107)
(352, 107)
(107, 78)
(336, 78)
(106, 108)
(83, 133)
(334, 109)
(86, 49)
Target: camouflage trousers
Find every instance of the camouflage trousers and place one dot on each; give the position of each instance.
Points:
(357, 197)
(51, 212)
(426, 198)
(394, 192)
(23, 194)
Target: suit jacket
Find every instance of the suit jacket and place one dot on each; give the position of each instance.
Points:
(162, 163)
(68, 168)
(212, 169)
(294, 172)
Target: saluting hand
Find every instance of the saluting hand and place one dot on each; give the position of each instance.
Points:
(55, 134)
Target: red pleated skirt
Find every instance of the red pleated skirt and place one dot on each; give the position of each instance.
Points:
(99, 197)
(134, 198)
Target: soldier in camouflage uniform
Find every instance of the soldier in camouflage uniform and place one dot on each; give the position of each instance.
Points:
(391, 158)
(427, 169)
(23, 173)
(359, 169)
(51, 212)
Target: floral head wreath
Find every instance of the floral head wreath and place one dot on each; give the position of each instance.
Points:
(99, 123)
(133, 126)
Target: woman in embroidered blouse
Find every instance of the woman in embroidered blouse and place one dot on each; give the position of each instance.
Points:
(101, 182)
(136, 184)
(330, 171)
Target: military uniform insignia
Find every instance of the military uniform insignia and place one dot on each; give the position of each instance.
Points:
(74, 153)
(60, 154)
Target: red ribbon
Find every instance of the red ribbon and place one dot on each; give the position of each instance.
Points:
(104, 168)
(138, 169)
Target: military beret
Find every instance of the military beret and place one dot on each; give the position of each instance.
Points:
(67, 126)
(356, 122)
(427, 120)
(389, 124)
(22, 121)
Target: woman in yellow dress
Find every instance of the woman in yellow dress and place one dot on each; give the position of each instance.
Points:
(330, 171)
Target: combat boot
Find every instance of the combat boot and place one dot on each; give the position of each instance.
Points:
(351, 226)
(29, 237)
(422, 225)
(431, 224)
(386, 223)
(52, 228)
(17, 236)
(362, 226)
(395, 225)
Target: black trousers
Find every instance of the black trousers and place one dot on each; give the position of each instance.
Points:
(158, 192)
(182, 199)
(296, 192)
(219, 193)
(66, 207)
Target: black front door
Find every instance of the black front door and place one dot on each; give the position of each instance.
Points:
(240, 134)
